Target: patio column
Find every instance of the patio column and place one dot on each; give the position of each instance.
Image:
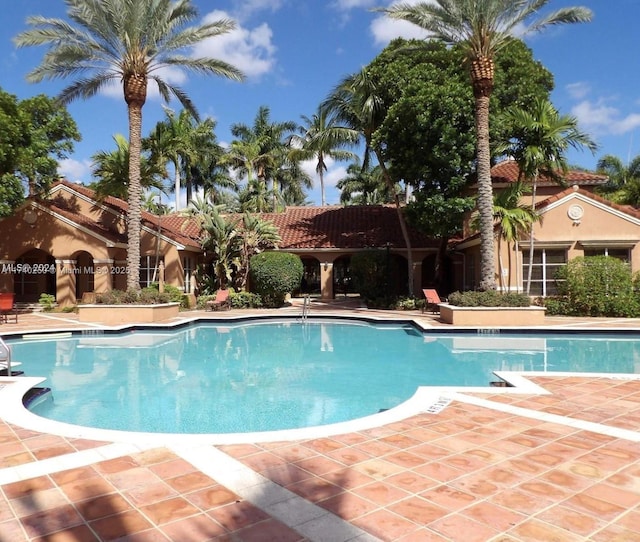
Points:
(416, 277)
(326, 280)
(7, 268)
(102, 275)
(66, 282)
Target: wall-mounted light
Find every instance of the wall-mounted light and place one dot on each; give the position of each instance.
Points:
(326, 265)
(30, 217)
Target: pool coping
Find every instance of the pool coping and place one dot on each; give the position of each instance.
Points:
(425, 398)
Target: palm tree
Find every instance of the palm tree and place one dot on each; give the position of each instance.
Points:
(111, 168)
(357, 103)
(363, 187)
(483, 27)
(513, 218)
(257, 235)
(321, 138)
(542, 137)
(127, 42)
(267, 146)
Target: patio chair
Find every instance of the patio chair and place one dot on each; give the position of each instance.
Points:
(221, 300)
(7, 309)
(432, 300)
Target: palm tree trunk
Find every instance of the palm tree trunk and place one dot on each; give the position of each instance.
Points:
(321, 173)
(134, 214)
(177, 185)
(485, 192)
(401, 220)
(534, 186)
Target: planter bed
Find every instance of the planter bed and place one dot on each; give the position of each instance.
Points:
(112, 315)
(492, 316)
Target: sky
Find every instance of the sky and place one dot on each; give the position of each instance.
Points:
(294, 52)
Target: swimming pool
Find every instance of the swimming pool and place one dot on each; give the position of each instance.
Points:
(265, 376)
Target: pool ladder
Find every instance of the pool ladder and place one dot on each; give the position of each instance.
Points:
(306, 305)
(5, 357)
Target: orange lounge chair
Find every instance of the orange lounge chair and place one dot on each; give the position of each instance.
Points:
(221, 300)
(432, 300)
(6, 308)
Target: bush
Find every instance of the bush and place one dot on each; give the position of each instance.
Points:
(146, 296)
(275, 274)
(370, 271)
(245, 300)
(490, 298)
(47, 301)
(596, 286)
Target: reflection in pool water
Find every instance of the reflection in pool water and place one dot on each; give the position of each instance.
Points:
(282, 375)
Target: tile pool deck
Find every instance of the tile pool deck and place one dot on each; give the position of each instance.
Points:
(556, 461)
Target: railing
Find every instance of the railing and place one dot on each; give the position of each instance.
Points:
(5, 356)
(306, 305)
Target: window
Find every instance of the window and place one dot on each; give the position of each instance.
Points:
(546, 263)
(619, 253)
(187, 265)
(148, 270)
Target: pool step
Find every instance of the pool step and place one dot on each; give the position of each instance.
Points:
(35, 395)
(4, 372)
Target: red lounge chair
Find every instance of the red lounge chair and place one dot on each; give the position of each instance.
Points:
(432, 300)
(221, 300)
(6, 308)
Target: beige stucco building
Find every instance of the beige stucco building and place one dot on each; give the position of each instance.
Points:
(71, 243)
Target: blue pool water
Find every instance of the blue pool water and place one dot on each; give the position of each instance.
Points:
(281, 375)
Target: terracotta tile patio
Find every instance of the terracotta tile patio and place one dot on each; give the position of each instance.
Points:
(493, 466)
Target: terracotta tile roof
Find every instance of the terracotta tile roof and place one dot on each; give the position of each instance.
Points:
(508, 171)
(169, 228)
(348, 227)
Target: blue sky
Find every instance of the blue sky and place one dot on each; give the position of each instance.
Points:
(294, 52)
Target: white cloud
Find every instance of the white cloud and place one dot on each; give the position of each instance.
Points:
(346, 5)
(247, 8)
(250, 50)
(385, 29)
(578, 90)
(601, 118)
(75, 171)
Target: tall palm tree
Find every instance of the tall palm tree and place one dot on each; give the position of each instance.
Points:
(268, 147)
(320, 139)
(128, 42)
(357, 103)
(542, 137)
(363, 187)
(111, 168)
(483, 27)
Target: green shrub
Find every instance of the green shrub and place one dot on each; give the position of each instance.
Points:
(489, 298)
(47, 302)
(596, 286)
(370, 271)
(275, 274)
(245, 300)
(176, 295)
(146, 296)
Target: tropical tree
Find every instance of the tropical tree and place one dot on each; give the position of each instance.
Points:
(482, 27)
(321, 139)
(512, 218)
(539, 144)
(36, 133)
(364, 187)
(260, 152)
(357, 102)
(257, 235)
(191, 147)
(127, 42)
(111, 168)
(624, 180)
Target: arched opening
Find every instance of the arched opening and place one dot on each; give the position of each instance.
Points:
(35, 274)
(342, 284)
(429, 271)
(311, 276)
(399, 279)
(84, 274)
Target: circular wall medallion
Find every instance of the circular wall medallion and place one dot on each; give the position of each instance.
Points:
(575, 212)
